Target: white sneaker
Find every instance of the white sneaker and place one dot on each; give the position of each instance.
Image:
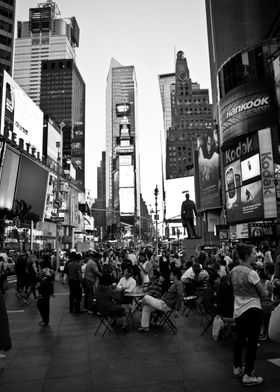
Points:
(238, 371)
(251, 380)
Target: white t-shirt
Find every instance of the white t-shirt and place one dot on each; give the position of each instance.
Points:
(127, 284)
(241, 304)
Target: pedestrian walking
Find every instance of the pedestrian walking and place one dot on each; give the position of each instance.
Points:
(247, 290)
(46, 290)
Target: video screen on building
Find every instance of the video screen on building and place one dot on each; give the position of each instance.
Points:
(250, 167)
(32, 185)
(122, 109)
(208, 168)
(126, 176)
(8, 176)
(127, 203)
(245, 202)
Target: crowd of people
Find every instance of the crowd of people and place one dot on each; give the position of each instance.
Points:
(239, 281)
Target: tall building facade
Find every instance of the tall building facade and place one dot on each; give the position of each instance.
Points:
(62, 94)
(99, 205)
(46, 36)
(234, 25)
(187, 114)
(7, 21)
(45, 68)
(122, 154)
(244, 49)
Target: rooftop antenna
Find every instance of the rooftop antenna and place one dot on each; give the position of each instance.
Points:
(54, 7)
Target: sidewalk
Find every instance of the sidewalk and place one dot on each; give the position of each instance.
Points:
(66, 356)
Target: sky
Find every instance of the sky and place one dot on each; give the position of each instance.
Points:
(146, 34)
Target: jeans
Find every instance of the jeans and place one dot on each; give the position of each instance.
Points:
(150, 304)
(248, 327)
(43, 305)
(75, 296)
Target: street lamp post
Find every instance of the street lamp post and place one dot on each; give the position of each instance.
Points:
(156, 215)
(58, 199)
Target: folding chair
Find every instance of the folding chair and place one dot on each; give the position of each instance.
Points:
(191, 303)
(106, 322)
(166, 319)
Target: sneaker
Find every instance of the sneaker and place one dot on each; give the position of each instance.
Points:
(238, 371)
(263, 338)
(143, 329)
(251, 380)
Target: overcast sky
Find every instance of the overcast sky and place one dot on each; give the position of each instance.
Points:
(146, 34)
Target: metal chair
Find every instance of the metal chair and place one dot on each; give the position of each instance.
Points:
(166, 319)
(107, 322)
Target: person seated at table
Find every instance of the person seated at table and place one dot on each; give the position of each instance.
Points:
(107, 302)
(155, 286)
(127, 283)
(172, 299)
(195, 278)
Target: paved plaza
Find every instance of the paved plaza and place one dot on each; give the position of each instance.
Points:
(66, 356)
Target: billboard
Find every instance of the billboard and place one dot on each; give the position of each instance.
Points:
(20, 115)
(51, 137)
(8, 176)
(249, 178)
(33, 193)
(247, 107)
(127, 203)
(126, 176)
(174, 189)
(122, 109)
(209, 169)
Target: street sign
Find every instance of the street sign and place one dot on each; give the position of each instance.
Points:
(57, 203)
(57, 219)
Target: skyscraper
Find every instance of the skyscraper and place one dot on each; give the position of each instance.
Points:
(187, 113)
(7, 20)
(45, 68)
(234, 25)
(62, 94)
(122, 155)
(46, 36)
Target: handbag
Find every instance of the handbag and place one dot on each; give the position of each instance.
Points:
(218, 326)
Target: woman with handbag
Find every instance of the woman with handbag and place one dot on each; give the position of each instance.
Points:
(247, 290)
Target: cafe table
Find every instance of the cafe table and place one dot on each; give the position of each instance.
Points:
(136, 304)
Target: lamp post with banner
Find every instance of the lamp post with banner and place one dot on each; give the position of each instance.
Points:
(58, 202)
(156, 191)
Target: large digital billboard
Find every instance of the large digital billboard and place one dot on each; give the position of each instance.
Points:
(209, 169)
(122, 109)
(249, 178)
(126, 176)
(20, 115)
(33, 193)
(247, 107)
(8, 176)
(127, 201)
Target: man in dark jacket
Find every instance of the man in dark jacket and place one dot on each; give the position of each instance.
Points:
(188, 208)
(74, 272)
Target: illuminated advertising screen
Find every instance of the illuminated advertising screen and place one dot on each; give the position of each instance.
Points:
(33, 193)
(208, 167)
(126, 178)
(247, 107)
(127, 203)
(124, 130)
(174, 189)
(249, 178)
(250, 167)
(122, 109)
(8, 176)
(51, 137)
(21, 115)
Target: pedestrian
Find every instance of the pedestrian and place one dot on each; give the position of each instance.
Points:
(5, 340)
(31, 278)
(91, 279)
(247, 290)
(3, 275)
(46, 290)
(74, 273)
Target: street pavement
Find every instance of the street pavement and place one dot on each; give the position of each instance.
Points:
(66, 356)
